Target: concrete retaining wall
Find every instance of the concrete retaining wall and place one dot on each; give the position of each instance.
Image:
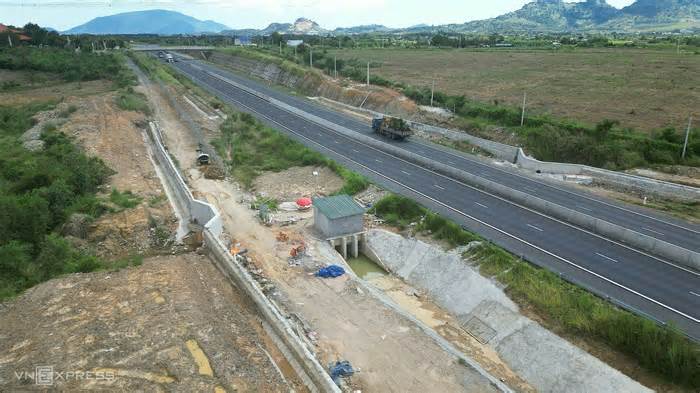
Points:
(543, 359)
(303, 361)
(638, 184)
(500, 150)
(602, 227)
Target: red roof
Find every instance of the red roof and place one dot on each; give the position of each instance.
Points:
(3, 28)
(23, 37)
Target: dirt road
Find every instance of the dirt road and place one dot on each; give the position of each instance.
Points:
(392, 354)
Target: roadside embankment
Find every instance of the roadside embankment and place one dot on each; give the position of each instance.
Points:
(305, 364)
(605, 228)
(545, 360)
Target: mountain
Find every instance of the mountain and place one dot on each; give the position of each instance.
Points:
(549, 16)
(362, 29)
(591, 15)
(148, 22)
(300, 26)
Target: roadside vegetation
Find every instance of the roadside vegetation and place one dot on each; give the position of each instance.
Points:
(606, 144)
(563, 306)
(68, 65)
(249, 148)
(39, 191)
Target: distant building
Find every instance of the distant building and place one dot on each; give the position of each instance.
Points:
(339, 220)
(20, 36)
(294, 43)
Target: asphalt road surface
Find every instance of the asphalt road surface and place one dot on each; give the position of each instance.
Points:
(640, 282)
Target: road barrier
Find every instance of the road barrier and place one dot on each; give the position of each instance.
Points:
(601, 227)
(638, 184)
(304, 362)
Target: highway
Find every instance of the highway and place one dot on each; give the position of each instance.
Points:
(633, 279)
(671, 230)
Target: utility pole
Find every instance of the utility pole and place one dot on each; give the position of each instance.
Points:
(93, 45)
(432, 93)
(368, 73)
(280, 47)
(522, 118)
(311, 58)
(687, 135)
(9, 40)
(678, 46)
(335, 66)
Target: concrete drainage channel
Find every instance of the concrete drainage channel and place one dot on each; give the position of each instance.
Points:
(604, 228)
(302, 360)
(545, 360)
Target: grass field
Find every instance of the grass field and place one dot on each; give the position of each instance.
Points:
(643, 89)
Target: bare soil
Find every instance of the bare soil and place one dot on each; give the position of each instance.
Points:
(142, 325)
(392, 354)
(43, 93)
(297, 182)
(117, 137)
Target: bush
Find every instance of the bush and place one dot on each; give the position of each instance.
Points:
(71, 66)
(129, 100)
(39, 191)
(125, 200)
(254, 148)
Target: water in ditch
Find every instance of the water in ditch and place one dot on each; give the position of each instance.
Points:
(365, 268)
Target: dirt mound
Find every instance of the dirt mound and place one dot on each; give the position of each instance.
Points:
(315, 84)
(173, 324)
(297, 182)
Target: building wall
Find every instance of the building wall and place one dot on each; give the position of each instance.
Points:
(338, 227)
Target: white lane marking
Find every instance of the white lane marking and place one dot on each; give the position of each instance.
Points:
(438, 187)
(527, 243)
(535, 228)
(406, 173)
(653, 231)
(319, 134)
(337, 142)
(693, 293)
(606, 257)
(482, 205)
(450, 162)
(584, 208)
(378, 160)
(355, 151)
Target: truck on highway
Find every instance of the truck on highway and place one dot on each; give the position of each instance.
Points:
(391, 127)
(169, 58)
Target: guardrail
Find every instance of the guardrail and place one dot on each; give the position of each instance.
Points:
(644, 242)
(302, 360)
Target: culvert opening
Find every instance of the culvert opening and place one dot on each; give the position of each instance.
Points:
(365, 268)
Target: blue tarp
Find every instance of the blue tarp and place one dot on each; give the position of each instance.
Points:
(340, 370)
(330, 271)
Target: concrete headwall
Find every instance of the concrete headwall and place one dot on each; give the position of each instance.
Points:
(199, 212)
(543, 359)
(304, 362)
(602, 227)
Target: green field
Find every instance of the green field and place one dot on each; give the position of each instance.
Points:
(642, 88)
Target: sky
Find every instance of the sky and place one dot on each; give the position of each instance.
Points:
(237, 14)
